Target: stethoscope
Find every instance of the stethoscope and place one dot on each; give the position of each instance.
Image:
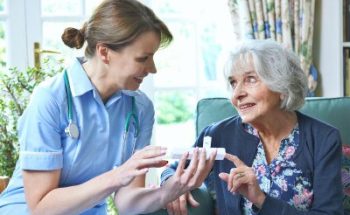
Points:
(72, 129)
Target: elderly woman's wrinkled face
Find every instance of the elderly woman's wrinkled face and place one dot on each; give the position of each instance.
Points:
(251, 97)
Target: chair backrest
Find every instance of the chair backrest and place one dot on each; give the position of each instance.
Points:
(334, 111)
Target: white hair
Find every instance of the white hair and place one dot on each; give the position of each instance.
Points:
(277, 67)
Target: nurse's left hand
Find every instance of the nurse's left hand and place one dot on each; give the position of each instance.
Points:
(139, 164)
(242, 179)
(187, 179)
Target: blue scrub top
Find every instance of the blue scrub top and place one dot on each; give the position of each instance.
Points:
(44, 145)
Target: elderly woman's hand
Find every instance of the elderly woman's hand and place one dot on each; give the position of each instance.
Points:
(179, 206)
(242, 179)
(185, 180)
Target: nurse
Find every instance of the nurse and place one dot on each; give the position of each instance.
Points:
(86, 131)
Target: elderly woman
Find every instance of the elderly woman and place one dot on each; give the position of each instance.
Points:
(278, 161)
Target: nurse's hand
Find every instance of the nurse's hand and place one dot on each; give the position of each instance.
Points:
(185, 180)
(139, 164)
(242, 179)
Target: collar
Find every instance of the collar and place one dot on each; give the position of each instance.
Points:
(78, 79)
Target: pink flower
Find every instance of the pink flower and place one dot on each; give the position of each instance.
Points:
(278, 168)
(289, 152)
(346, 150)
(297, 200)
(303, 198)
(262, 170)
(347, 191)
(307, 194)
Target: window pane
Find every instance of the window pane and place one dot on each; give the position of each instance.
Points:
(2, 46)
(175, 113)
(176, 64)
(60, 8)
(90, 6)
(2, 6)
(193, 63)
(53, 41)
(201, 39)
(176, 8)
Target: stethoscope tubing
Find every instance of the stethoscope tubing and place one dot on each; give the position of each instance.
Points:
(69, 97)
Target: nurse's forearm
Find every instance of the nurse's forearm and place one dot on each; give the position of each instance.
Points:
(140, 200)
(75, 199)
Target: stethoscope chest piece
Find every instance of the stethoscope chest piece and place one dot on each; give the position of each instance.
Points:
(72, 130)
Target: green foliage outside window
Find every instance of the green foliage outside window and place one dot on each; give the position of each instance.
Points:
(2, 46)
(2, 5)
(16, 87)
(172, 107)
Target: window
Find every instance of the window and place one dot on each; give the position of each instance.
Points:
(58, 15)
(3, 24)
(191, 67)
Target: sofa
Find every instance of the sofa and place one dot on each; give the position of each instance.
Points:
(334, 111)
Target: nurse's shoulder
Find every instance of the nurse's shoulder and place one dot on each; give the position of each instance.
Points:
(50, 90)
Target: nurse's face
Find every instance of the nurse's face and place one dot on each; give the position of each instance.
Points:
(254, 101)
(129, 66)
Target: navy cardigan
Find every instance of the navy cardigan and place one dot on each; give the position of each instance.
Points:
(318, 156)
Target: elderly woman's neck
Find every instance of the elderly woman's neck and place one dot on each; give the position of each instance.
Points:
(277, 127)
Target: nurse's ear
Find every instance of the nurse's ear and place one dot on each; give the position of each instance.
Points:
(102, 52)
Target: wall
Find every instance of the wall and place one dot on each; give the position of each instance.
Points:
(327, 47)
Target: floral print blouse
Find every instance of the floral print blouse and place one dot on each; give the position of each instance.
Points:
(281, 178)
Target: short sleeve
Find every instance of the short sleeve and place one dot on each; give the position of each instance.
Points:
(39, 133)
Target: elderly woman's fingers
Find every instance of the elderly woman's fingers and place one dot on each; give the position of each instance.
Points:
(230, 179)
(224, 176)
(170, 208)
(183, 205)
(239, 180)
(235, 160)
(191, 200)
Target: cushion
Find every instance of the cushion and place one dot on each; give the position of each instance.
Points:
(346, 175)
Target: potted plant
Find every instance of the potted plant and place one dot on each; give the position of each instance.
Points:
(15, 89)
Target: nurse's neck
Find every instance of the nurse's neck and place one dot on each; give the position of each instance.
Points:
(96, 71)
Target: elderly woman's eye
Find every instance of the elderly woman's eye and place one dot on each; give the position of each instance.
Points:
(233, 83)
(252, 79)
